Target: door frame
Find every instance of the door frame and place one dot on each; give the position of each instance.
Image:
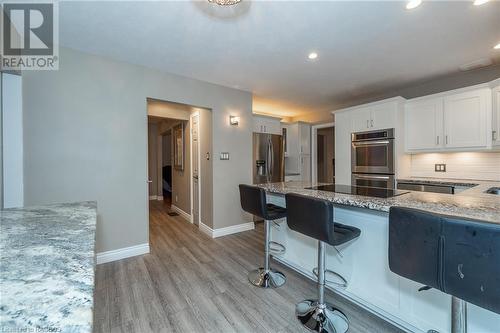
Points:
(314, 148)
(196, 113)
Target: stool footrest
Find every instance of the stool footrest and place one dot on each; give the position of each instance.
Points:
(342, 283)
(276, 248)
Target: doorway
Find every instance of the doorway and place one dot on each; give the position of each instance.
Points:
(180, 180)
(323, 153)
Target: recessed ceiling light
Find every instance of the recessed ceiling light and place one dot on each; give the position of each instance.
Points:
(312, 55)
(413, 4)
(480, 2)
(497, 47)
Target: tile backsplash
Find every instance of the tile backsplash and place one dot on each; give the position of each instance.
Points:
(467, 165)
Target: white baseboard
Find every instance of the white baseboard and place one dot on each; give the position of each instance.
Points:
(159, 197)
(153, 197)
(214, 233)
(181, 213)
(126, 252)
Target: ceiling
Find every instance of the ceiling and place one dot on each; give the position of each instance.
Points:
(262, 47)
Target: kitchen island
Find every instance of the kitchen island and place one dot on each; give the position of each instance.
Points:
(364, 261)
(47, 268)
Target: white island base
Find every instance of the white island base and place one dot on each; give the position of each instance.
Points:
(364, 264)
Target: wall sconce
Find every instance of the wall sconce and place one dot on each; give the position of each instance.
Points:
(234, 120)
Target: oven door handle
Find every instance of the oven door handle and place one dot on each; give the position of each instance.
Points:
(371, 177)
(371, 143)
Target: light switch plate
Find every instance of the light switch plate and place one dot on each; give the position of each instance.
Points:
(224, 156)
(440, 167)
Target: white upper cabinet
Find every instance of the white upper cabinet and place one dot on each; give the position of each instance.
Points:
(495, 133)
(374, 116)
(361, 119)
(305, 138)
(266, 124)
(424, 124)
(453, 121)
(466, 119)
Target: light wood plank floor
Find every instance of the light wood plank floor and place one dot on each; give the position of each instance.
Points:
(192, 283)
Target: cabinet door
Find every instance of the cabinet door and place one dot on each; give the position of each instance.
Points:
(258, 126)
(272, 126)
(361, 119)
(305, 138)
(424, 124)
(496, 116)
(383, 116)
(465, 119)
(305, 168)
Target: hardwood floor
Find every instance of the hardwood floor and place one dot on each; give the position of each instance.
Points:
(192, 283)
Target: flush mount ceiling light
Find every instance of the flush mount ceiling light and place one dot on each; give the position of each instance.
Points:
(312, 55)
(225, 2)
(413, 4)
(480, 2)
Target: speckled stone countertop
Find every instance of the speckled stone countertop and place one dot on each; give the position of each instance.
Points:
(468, 204)
(47, 268)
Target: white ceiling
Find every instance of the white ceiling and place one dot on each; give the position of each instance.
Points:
(363, 47)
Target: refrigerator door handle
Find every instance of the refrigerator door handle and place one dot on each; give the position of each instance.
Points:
(271, 164)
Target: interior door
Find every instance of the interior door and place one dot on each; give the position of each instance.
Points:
(195, 165)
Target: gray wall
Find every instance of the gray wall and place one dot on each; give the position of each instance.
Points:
(181, 179)
(86, 139)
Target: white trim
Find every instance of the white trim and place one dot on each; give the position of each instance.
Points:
(159, 197)
(356, 300)
(181, 213)
(118, 254)
(197, 113)
(153, 197)
(206, 229)
(314, 143)
(214, 233)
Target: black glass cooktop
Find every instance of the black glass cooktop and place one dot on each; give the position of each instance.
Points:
(359, 190)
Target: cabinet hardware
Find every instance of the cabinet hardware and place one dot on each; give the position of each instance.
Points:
(494, 135)
(437, 140)
(367, 123)
(446, 139)
(371, 120)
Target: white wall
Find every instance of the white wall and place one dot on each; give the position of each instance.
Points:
(12, 140)
(466, 165)
(86, 139)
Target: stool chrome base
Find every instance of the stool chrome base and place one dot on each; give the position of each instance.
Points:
(325, 318)
(269, 279)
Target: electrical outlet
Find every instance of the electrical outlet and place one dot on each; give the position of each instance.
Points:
(224, 156)
(440, 167)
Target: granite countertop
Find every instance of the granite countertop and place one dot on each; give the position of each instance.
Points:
(468, 204)
(47, 268)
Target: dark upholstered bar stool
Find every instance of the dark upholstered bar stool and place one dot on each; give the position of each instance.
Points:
(460, 257)
(253, 201)
(314, 218)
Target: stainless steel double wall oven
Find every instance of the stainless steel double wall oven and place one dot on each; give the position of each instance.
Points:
(372, 158)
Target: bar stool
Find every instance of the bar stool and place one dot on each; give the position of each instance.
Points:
(458, 256)
(314, 218)
(253, 201)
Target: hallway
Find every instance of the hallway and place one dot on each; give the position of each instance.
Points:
(191, 283)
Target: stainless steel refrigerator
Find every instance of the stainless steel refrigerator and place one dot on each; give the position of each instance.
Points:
(268, 158)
